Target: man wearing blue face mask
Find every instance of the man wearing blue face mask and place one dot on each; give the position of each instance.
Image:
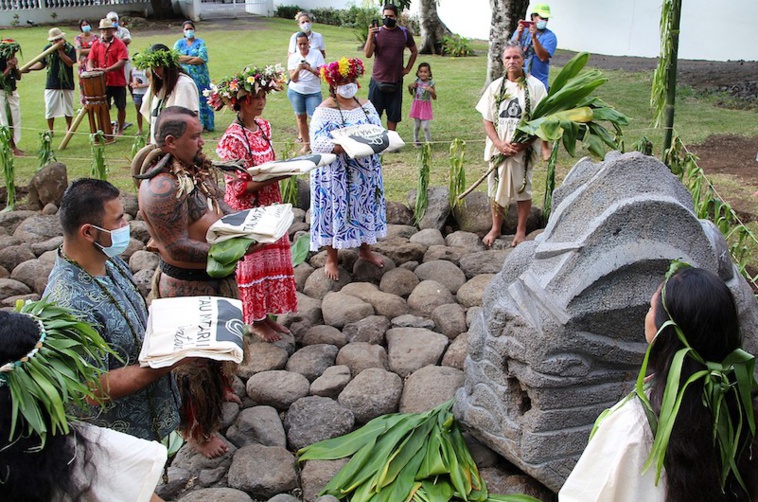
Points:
(537, 42)
(90, 278)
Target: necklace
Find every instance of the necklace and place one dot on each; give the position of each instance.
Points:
(122, 311)
(247, 140)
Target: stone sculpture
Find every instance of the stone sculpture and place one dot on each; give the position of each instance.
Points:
(560, 337)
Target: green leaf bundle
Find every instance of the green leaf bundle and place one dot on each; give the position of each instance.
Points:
(99, 168)
(457, 172)
(569, 112)
(45, 154)
(62, 376)
(6, 159)
(223, 256)
(402, 457)
(422, 189)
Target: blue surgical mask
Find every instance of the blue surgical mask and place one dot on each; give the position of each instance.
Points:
(189, 34)
(86, 28)
(115, 24)
(120, 239)
(542, 24)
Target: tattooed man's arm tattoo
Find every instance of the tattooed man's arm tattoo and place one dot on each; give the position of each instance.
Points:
(170, 219)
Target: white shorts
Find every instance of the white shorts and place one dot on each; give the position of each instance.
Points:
(15, 106)
(59, 103)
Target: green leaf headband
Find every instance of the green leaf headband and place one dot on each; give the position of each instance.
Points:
(716, 386)
(148, 59)
(56, 373)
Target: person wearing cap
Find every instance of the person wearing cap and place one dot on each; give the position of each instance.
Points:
(109, 54)
(59, 85)
(537, 42)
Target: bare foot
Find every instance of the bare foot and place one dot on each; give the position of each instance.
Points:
(19, 153)
(331, 269)
(371, 257)
(263, 330)
(231, 397)
(305, 149)
(276, 326)
(491, 237)
(212, 448)
(518, 239)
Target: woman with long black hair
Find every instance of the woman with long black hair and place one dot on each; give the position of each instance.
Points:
(647, 448)
(169, 84)
(45, 453)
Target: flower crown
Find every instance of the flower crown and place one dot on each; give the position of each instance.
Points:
(343, 71)
(148, 59)
(249, 81)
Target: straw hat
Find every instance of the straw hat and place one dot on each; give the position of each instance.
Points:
(54, 34)
(106, 24)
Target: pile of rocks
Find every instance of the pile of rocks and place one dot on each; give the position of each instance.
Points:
(378, 341)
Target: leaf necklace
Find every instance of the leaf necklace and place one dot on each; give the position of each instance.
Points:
(250, 146)
(122, 311)
(525, 116)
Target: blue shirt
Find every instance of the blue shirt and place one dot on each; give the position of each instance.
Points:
(532, 63)
(150, 409)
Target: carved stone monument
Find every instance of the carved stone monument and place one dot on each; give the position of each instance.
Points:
(561, 334)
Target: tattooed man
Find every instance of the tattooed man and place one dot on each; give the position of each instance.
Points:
(178, 202)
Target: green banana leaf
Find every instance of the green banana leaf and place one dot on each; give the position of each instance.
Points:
(300, 250)
(223, 256)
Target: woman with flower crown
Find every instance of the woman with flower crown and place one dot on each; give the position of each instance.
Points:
(687, 431)
(347, 196)
(265, 278)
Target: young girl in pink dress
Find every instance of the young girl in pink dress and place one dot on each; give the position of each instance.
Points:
(265, 278)
(422, 90)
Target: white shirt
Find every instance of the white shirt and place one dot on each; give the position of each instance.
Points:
(185, 94)
(610, 469)
(307, 82)
(315, 39)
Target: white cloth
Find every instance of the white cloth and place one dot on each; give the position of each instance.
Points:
(307, 82)
(504, 185)
(185, 94)
(610, 469)
(127, 469)
(366, 139)
(266, 224)
(290, 167)
(59, 103)
(192, 326)
(15, 106)
(315, 39)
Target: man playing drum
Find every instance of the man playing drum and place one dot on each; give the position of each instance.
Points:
(109, 54)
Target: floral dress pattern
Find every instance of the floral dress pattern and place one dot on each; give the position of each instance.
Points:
(347, 196)
(265, 278)
(200, 74)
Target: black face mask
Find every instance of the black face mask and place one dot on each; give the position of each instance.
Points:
(389, 22)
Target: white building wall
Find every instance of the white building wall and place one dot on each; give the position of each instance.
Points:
(717, 31)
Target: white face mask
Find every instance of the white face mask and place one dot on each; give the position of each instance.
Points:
(306, 27)
(347, 91)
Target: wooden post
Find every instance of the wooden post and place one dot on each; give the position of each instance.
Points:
(668, 110)
(72, 129)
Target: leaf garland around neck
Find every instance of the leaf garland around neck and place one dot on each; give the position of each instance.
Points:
(501, 96)
(63, 77)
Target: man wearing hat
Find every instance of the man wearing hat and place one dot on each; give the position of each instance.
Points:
(109, 54)
(537, 42)
(59, 86)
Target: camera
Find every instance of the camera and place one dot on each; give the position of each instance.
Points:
(526, 24)
(303, 61)
(375, 23)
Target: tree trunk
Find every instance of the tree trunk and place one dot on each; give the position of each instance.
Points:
(505, 17)
(432, 28)
(162, 9)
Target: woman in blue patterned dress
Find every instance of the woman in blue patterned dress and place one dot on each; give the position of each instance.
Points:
(347, 196)
(194, 60)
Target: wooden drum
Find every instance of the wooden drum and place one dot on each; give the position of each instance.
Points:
(93, 87)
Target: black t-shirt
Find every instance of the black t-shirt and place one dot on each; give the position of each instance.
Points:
(54, 80)
(10, 77)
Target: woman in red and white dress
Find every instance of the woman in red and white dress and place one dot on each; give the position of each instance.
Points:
(265, 278)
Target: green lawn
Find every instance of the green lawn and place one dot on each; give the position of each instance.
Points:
(234, 43)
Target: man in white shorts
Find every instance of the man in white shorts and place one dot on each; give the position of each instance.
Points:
(59, 86)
